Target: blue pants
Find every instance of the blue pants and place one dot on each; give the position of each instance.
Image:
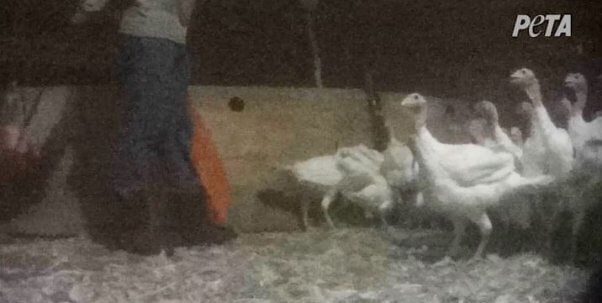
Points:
(154, 142)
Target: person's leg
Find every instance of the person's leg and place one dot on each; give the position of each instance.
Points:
(146, 116)
(190, 196)
(139, 168)
(178, 145)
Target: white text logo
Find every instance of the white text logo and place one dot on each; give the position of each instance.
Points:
(555, 25)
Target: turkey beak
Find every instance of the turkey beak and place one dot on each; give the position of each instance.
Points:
(405, 103)
(515, 78)
(408, 104)
(410, 107)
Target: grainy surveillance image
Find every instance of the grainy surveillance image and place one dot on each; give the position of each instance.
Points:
(300, 151)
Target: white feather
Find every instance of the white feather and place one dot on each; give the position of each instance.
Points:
(319, 171)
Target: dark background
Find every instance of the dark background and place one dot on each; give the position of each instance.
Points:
(458, 49)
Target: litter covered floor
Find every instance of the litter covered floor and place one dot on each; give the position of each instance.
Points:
(343, 265)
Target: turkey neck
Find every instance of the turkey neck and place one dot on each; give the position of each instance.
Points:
(543, 121)
(424, 153)
(581, 96)
(420, 118)
(493, 127)
(534, 93)
(423, 145)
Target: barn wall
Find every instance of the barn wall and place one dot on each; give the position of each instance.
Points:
(278, 127)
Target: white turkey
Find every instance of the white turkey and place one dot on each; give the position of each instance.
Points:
(583, 185)
(580, 130)
(317, 174)
(369, 158)
(352, 172)
(558, 146)
(482, 131)
(362, 183)
(559, 153)
(401, 172)
(462, 181)
(514, 209)
(488, 111)
(398, 166)
(457, 159)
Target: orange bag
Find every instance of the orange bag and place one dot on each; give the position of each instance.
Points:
(210, 170)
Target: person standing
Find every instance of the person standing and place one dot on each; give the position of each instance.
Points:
(152, 165)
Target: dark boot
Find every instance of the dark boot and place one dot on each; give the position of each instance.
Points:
(216, 234)
(111, 234)
(146, 239)
(142, 241)
(164, 222)
(168, 231)
(195, 226)
(123, 217)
